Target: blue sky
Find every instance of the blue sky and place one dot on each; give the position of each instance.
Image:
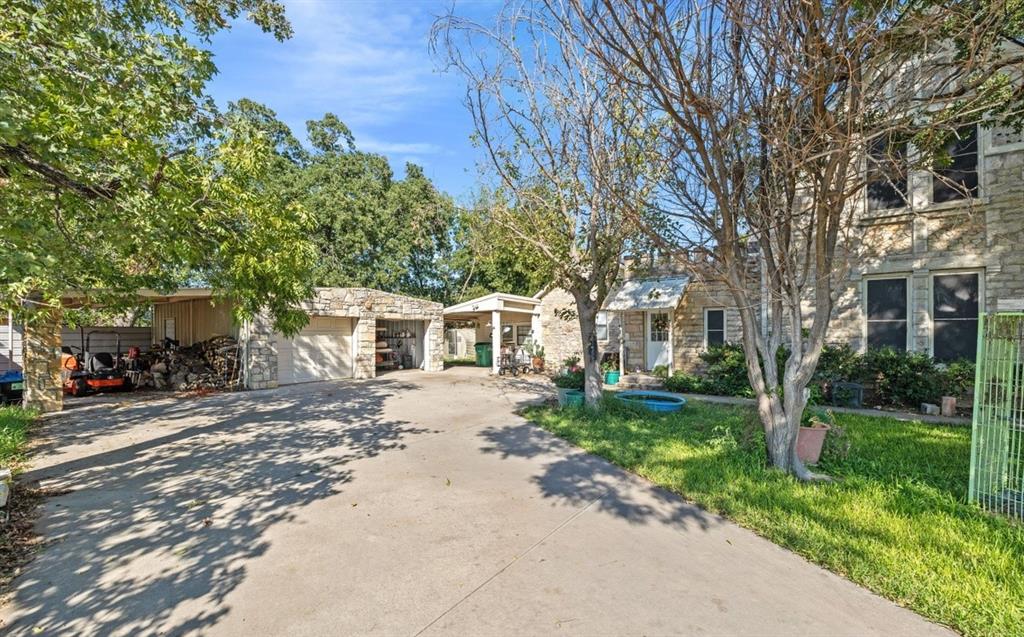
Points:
(367, 62)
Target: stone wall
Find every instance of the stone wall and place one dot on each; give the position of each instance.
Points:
(688, 323)
(563, 338)
(984, 235)
(261, 345)
(41, 365)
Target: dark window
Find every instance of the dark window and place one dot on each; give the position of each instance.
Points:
(714, 327)
(955, 311)
(959, 179)
(887, 313)
(887, 174)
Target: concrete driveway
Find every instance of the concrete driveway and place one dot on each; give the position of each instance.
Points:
(411, 504)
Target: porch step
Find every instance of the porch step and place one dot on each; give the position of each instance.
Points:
(639, 381)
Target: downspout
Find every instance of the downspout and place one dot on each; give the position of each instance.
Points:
(10, 337)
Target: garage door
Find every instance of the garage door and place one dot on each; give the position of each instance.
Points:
(321, 351)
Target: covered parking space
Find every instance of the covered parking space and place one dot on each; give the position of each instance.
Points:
(500, 319)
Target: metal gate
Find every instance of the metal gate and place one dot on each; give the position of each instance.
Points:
(997, 440)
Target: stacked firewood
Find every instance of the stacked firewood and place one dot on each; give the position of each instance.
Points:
(209, 364)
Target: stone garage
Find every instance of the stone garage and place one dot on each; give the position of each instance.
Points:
(352, 333)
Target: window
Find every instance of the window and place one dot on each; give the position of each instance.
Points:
(522, 333)
(169, 328)
(887, 313)
(955, 306)
(958, 180)
(714, 327)
(659, 327)
(602, 326)
(887, 174)
(506, 335)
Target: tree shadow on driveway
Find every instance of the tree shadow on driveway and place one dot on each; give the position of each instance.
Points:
(157, 531)
(577, 478)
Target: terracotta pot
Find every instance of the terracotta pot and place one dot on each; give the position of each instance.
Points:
(809, 442)
(538, 364)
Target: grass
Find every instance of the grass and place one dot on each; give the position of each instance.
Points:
(896, 521)
(14, 425)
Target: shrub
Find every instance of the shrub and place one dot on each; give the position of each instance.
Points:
(903, 378)
(959, 378)
(726, 373)
(660, 371)
(839, 363)
(569, 379)
(684, 383)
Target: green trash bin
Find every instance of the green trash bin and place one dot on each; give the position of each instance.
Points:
(484, 354)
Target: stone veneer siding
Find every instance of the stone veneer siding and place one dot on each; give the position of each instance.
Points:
(365, 306)
(562, 338)
(43, 390)
(985, 235)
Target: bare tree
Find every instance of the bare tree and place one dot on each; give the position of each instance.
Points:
(765, 112)
(557, 137)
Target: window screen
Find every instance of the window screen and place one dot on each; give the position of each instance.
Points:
(522, 333)
(887, 313)
(887, 174)
(602, 326)
(959, 179)
(955, 305)
(714, 327)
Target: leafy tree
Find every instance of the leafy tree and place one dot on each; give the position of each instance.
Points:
(369, 229)
(116, 172)
(486, 259)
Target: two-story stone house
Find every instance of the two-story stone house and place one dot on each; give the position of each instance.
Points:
(934, 250)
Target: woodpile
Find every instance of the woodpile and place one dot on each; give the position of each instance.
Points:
(210, 364)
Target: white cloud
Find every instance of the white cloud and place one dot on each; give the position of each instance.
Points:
(397, 148)
(365, 61)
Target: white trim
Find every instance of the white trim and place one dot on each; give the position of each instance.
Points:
(597, 324)
(908, 277)
(725, 324)
(992, 149)
(980, 272)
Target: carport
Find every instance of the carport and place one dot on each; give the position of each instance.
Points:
(501, 319)
(341, 339)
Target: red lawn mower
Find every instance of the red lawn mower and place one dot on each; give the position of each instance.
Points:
(87, 373)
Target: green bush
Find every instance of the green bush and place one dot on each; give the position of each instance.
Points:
(570, 379)
(959, 378)
(839, 363)
(726, 373)
(903, 379)
(684, 383)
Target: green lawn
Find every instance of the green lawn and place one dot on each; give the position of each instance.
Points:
(14, 424)
(895, 521)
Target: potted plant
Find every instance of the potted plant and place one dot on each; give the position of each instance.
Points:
(570, 384)
(536, 353)
(811, 437)
(611, 371)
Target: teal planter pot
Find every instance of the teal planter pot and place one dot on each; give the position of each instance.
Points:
(567, 397)
(611, 378)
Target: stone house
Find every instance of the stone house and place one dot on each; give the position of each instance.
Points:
(935, 250)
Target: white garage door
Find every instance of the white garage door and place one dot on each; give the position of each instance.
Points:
(321, 351)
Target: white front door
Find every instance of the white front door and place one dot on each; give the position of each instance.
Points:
(657, 339)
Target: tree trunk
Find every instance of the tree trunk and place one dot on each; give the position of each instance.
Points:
(781, 416)
(592, 384)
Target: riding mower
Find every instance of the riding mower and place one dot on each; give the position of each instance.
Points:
(87, 373)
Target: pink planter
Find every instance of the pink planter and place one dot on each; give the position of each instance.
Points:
(809, 442)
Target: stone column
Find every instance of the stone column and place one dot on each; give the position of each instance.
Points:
(41, 342)
(435, 346)
(262, 349)
(366, 346)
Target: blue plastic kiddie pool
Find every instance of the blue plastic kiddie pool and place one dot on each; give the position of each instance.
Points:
(652, 400)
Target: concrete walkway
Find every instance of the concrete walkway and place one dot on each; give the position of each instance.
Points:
(412, 504)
